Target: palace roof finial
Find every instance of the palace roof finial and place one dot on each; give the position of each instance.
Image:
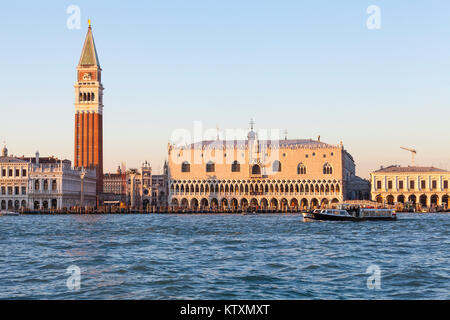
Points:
(251, 135)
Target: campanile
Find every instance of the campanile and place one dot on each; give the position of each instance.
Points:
(89, 111)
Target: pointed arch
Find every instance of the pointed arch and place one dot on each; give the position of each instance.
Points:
(276, 166)
(301, 168)
(327, 168)
(256, 169)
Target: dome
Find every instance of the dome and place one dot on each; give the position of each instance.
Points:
(251, 135)
(4, 151)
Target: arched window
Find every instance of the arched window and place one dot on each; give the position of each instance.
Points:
(185, 167)
(256, 169)
(235, 166)
(84, 96)
(92, 96)
(301, 168)
(327, 168)
(210, 167)
(276, 166)
(81, 97)
(88, 96)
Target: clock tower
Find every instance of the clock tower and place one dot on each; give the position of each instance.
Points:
(89, 111)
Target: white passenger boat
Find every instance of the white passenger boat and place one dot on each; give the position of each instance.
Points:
(8, 213)
(351, 213)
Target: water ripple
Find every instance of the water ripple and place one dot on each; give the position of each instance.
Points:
(223, 257)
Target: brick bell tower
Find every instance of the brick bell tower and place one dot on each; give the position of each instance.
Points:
(89, 111)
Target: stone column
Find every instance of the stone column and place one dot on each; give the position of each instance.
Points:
(132, 196)
(82, 175)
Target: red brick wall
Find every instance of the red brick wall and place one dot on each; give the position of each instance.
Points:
(89, 138)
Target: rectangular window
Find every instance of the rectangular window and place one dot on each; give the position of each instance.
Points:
(10, 173)
(378, 184)
(16, 190)
(4, 173)
(17, 172)
(210, 167)
(24, 190)
(10, 190)
(422, 184)
(434, 184)
(389, 185)
(400, 185)
(3, 190)
(445, 184)
(24, 172)
(411, 184)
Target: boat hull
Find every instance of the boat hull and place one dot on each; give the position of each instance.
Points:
(328, 217)
(9, 214)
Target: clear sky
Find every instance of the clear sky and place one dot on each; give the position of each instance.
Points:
(311, 67)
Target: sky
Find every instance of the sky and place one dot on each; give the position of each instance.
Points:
(310, 67)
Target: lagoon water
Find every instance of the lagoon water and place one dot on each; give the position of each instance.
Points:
(223, 257)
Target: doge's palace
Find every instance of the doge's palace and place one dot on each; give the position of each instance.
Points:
(263, 174)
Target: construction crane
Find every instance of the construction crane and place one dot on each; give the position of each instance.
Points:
(413, 153)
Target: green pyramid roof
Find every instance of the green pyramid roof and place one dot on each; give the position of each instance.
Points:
(89, 55)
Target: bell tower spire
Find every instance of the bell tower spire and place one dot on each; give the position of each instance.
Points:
(89, 110)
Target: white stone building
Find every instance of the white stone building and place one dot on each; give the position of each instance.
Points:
(427, 186)
(13, 182)
(44, 183)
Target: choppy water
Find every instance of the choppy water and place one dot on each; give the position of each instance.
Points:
(223, 257)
